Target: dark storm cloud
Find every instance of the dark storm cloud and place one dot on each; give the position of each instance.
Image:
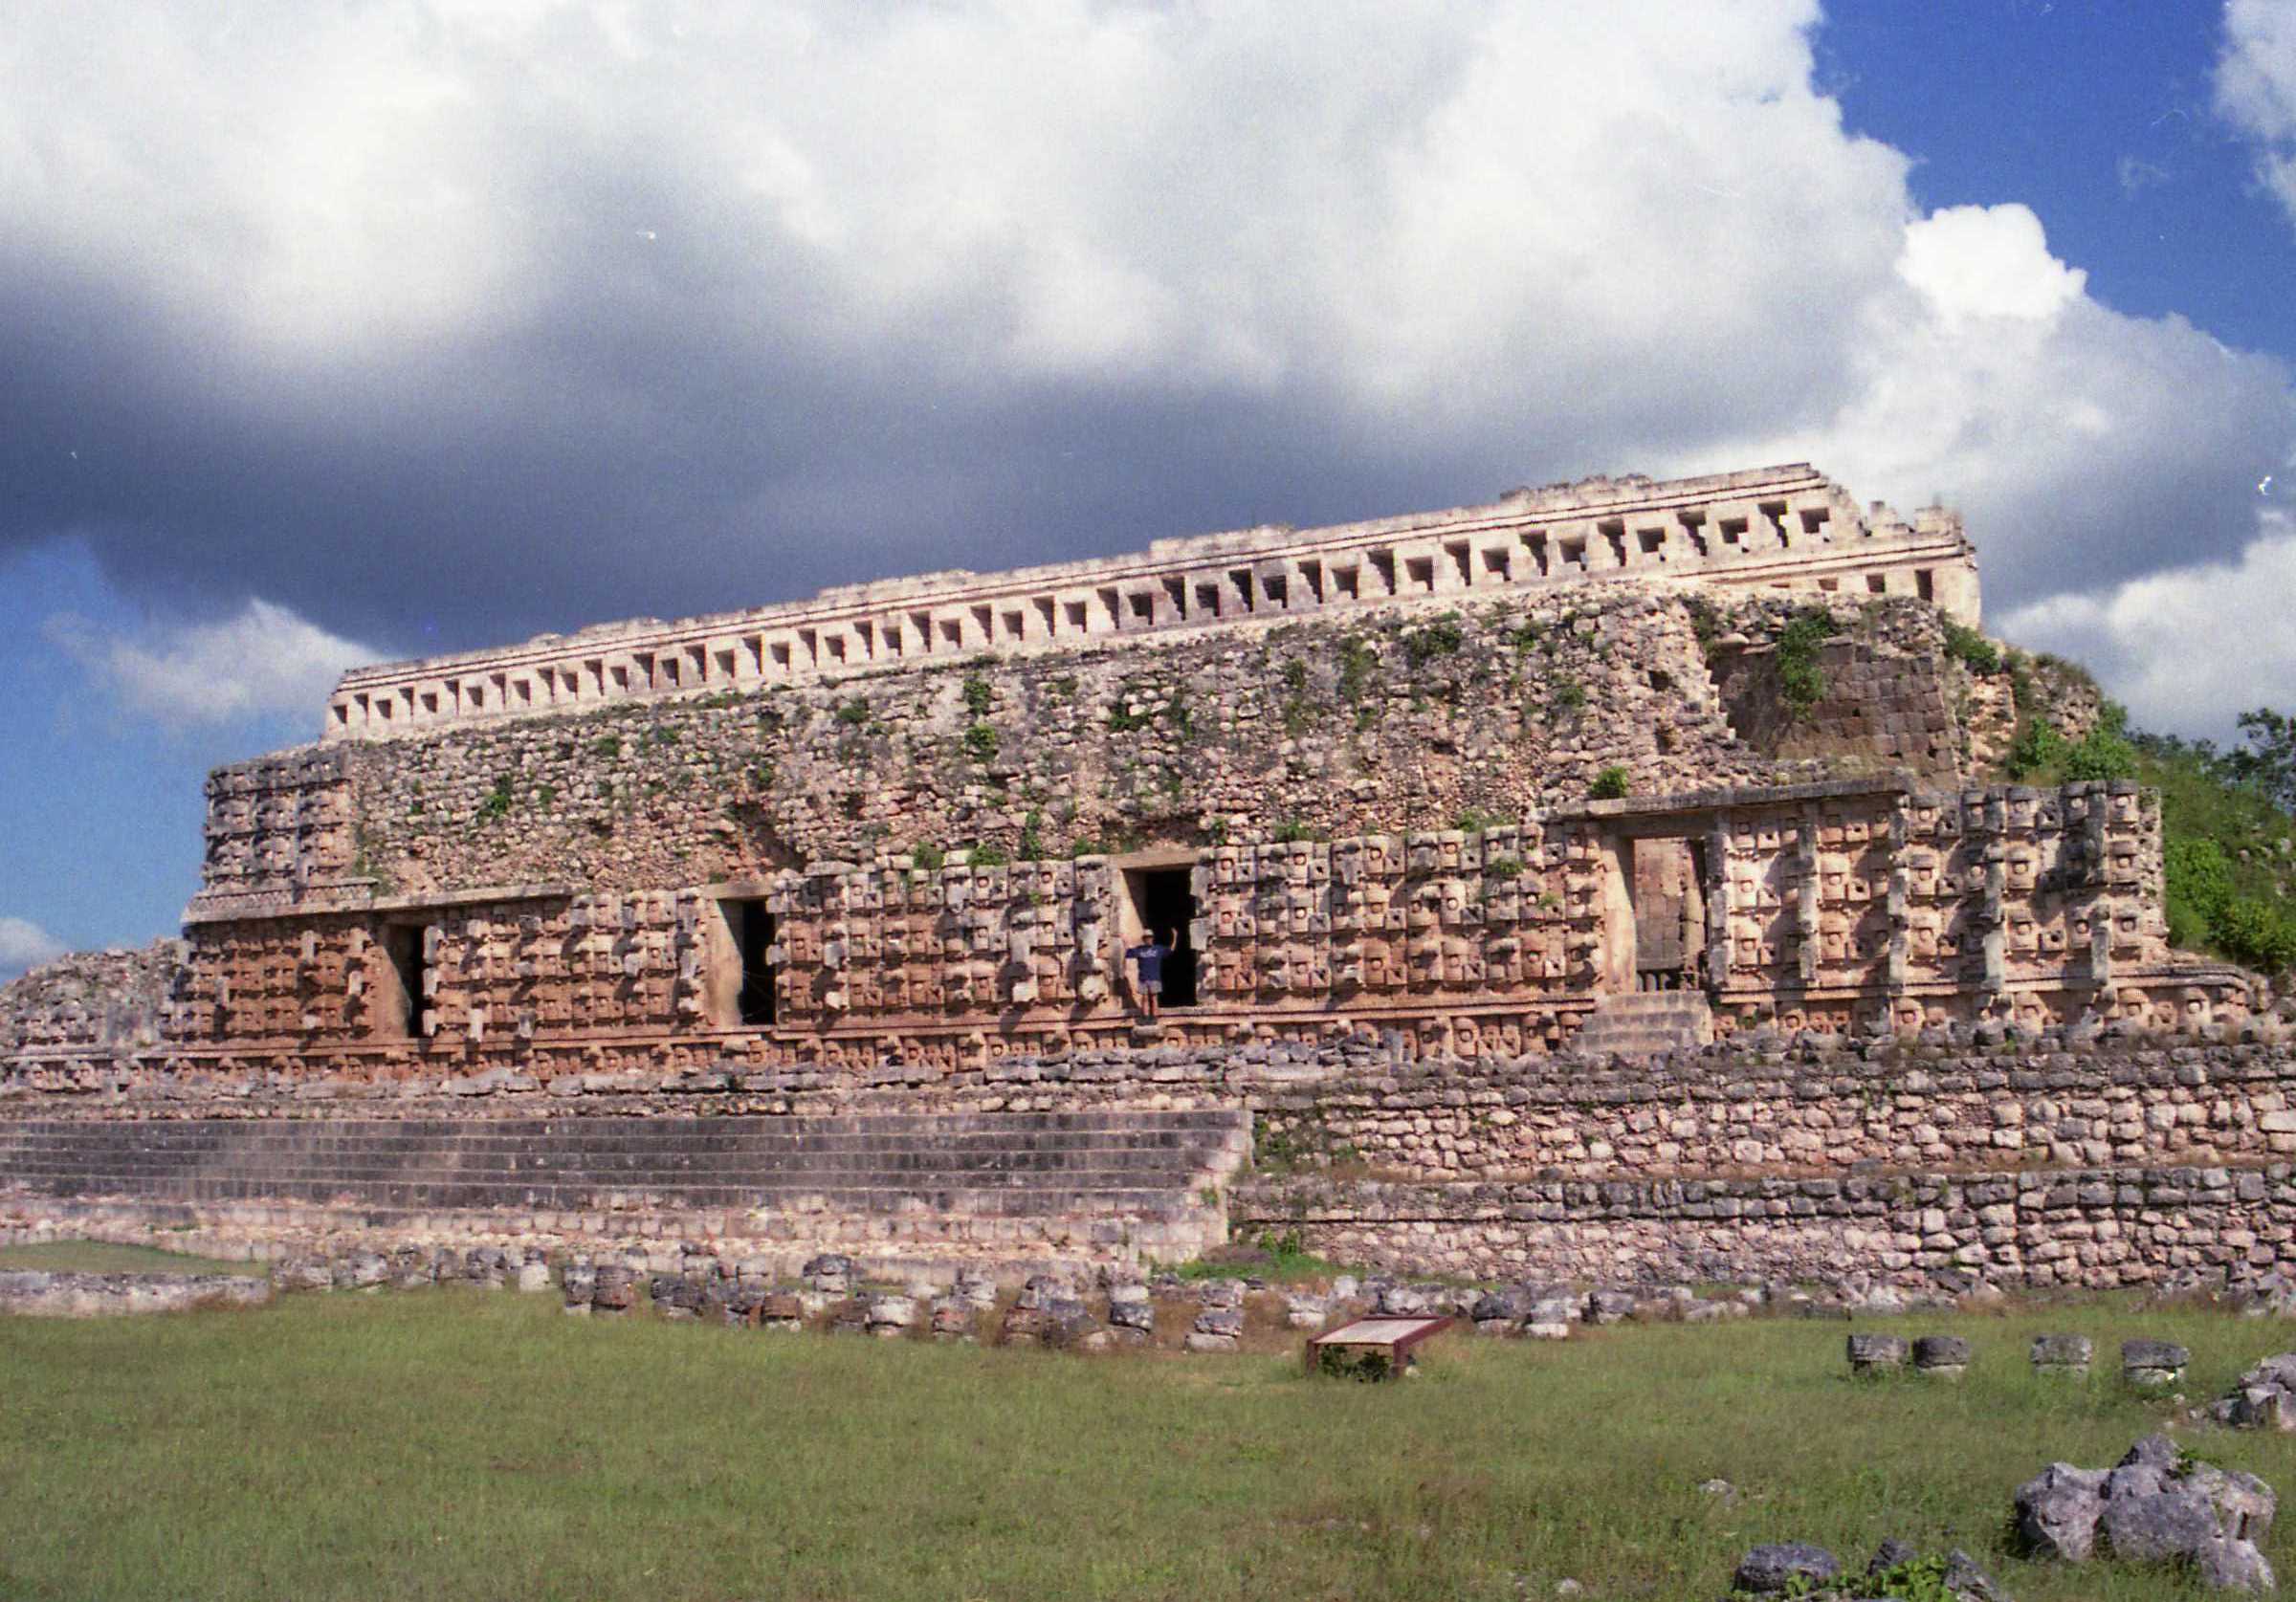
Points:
(446, 332)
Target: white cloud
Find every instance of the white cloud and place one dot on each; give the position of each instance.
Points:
(24, 944)
(2188, 648)
(1464, 244)
(264, 660)
(2256, 87)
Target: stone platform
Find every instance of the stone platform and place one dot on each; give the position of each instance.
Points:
(1108, 1184)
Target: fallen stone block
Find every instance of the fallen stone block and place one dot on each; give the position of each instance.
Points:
(1778, 1568)
(1876, 1354)
(1941, 1356)
(2264, 1399)
(2153, 1365)
(2062, 1354)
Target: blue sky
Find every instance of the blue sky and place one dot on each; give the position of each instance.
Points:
(334, 334)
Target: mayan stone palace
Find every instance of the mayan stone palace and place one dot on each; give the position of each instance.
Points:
(1598, 882)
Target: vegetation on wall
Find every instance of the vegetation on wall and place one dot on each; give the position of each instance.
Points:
(1800, 680)
(2227, 833)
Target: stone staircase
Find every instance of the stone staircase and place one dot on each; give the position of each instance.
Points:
(1646, 1024)
(1111, 1183)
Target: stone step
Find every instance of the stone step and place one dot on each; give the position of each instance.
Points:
(1050, 1172)
(1154, 1201)
(1646, 1024)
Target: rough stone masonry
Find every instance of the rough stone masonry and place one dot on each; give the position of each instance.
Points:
(1486, 794)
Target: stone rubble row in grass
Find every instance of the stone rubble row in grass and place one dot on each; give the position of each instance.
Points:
(1898, 1569)
(62, 1293)
(2148, 1365)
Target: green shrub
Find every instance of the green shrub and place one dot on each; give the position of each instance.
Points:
(1569, 697)
(981, 743)
(2257, 932)
(1032, 839)
(1800, 680)
(497, 801)
(988, 856)
(977, 694)
(608, 746)
(1292, 829)
(1356, 660)
(1972, 649)
(854, 710)
(1474, 820)
(1441, 637)
(1610, 785)
(928, 856)
(2101, 754)
(1295, 676)
(1503, 868)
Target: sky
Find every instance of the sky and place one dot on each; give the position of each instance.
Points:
(349, 331)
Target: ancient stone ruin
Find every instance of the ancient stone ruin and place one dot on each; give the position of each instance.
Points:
(1502, 852)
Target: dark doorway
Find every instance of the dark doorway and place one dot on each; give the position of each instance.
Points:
(752, 936)
(403, 943)
(1666, 883)
(1167, 906)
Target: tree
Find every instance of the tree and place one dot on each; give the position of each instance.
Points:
(2269, 763)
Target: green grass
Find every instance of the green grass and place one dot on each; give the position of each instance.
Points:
(102, 1257)
(457, 1443)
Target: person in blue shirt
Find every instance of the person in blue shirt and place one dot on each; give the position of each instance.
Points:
(1148, 968)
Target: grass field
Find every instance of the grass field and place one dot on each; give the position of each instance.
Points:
(457, 1443)
(102, 1257)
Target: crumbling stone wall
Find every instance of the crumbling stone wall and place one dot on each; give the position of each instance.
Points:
(2088, 1228)
(1404, 718)
(103, 1004)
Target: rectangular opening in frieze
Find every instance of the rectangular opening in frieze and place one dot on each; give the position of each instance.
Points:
(1311, 574)
(1240, 580)
(1461, 561)
(1163, 907)
(747, 979)
(1419, 573)
(1383, 568)
(402, 1006)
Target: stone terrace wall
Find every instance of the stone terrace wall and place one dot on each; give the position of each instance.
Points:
(1360, 1106)
(1936, 1164)
(2094, 1228)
